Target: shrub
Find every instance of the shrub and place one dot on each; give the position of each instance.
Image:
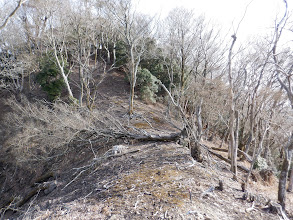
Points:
(50, 78)
(147, 85)
(260, 163)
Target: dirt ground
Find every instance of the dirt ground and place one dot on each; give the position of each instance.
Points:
(150, 180)
(157, 181)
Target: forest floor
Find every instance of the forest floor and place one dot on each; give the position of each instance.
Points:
(146, 180)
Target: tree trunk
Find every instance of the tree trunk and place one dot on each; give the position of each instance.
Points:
(233, 147)
(133, 70)
(199, 121)
(283, 178)
(132, 85)
(108, 57)
(64, 76)
(114, 52)
(195, 150)
(80, 84)
(131, 99)
(80, 70)
(290, 186)
(284, 172)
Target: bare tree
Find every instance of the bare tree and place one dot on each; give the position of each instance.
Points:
(57, 42)
(233, 140)
(135, 30)
(283, 74)
(182, 34)
(90, 37)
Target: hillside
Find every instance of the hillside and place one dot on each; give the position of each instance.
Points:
(142, 180)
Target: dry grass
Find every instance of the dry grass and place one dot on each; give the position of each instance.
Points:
(142, 125)
(147, 180)
(39, 130)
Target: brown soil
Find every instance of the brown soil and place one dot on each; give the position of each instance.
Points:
(148, 181)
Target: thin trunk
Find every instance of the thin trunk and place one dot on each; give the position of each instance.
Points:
(96, 53)
(233, 147)
(284, 172)
(290, 186)
(283, 178)
(131, 101)
(251, 123)
(132, 81)
(61, 67)
(234, 144)
(236, 136)
(182, 73)
(199, 121)
(114, 52)
(108, 57)
(81, 82)
(65, 78)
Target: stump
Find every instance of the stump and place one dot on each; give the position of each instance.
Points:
(195, 151)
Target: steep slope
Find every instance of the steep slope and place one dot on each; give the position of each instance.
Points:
(142, 180)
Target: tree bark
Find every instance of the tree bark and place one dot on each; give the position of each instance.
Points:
(61, 67)
(132, 85)
(199, 120)
(233, 147)
(114, 52)
(284, 172)
(290, 186)
(283, 179)
(81, 82)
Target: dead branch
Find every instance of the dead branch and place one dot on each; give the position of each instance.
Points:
(74, 179)
(195, 148)
(12, 14)
(44, 177)
(122, 154)
(152, 137)
(276, 208)
(46, 187)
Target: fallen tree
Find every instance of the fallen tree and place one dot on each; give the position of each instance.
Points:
(40, 130)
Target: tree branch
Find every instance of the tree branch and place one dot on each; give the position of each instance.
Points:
(12, 13)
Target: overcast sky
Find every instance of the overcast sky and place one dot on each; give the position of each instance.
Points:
(259, 18)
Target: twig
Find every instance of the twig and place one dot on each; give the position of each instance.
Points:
(166, 213)
(87, 195)
(73, 179)
(190, 195)
(92, 149)
(32, 202)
